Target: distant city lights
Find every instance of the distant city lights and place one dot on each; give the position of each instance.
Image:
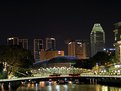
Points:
(10, 38)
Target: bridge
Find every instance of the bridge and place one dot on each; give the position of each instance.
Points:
(14, 83)
(89, 78)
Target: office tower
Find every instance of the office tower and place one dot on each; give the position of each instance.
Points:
(13, 41)
(117, 41)
(38, 46)
(50, 44)
(23, 43)
(97, 39)
(77, 48)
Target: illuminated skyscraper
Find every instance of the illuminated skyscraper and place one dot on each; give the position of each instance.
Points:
(38, 46)
(77, 48)
(13, 41)
(50, 44)
(97, 39)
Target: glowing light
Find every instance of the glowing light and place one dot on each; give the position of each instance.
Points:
(52, 38)
(57, 88)
(70, 82)
(104, 49)
(59, 52)
(117, 66)
(119, 42)
(10, 38)
(79, 43)
(42, 84)
(104, 88)
(29, 85)
(69, 43)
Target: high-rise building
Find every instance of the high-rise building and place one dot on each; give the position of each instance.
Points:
(16, 41)
(23, 43)
(117, 42)
(50, 44)
(38, 46)
(77, 48)
(117, 31)
(13, 41)
(97, 39)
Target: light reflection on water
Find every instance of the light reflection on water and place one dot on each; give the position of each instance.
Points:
(70, 87)
(42, 86)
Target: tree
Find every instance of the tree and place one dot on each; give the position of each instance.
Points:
(16, 57)
(83, 63)
(1, 68)
(102, 58)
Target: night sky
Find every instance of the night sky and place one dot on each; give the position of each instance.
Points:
(62, 20)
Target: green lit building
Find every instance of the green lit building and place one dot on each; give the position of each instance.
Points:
(97, 39)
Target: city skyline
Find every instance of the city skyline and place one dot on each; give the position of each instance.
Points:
(61, 21)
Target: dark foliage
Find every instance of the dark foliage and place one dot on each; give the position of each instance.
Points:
(101, 58)
(16, 57)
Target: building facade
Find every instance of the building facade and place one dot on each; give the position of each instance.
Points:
(47, 55)
(97, 39)
(38, 46)
(13, 41)
(23, 43)
(77, 48)
(16, 41)
(117, 41)
(50, 44)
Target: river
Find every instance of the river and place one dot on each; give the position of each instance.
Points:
(42, 86)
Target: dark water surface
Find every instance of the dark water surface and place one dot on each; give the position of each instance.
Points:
(42, 86)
